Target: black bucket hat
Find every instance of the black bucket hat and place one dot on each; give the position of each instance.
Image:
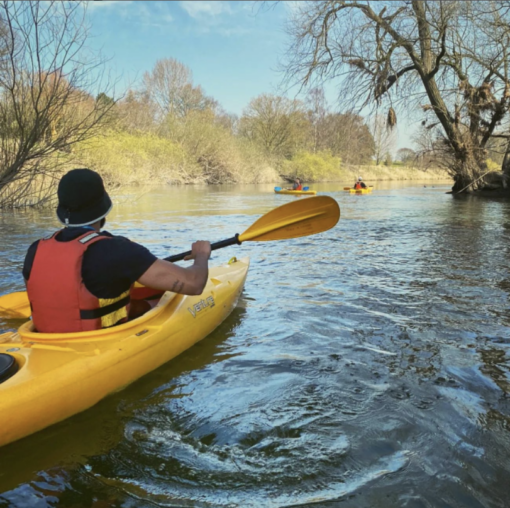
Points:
(82, 199)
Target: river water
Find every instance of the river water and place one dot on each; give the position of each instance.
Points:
(367, 366)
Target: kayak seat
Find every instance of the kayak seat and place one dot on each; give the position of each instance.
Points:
(143, 299)
(144, 293)
(8, 367)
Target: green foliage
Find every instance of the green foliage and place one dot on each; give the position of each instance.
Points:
(124, 158)
(221, 156)
(276, 124)
(105, 99)
(200, 151)
(493, 166)
(313, 167)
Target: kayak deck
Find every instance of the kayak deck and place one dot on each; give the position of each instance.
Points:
(368, 190)
(60, 375)
(296, 192)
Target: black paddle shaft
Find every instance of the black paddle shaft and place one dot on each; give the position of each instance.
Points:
(214, 246)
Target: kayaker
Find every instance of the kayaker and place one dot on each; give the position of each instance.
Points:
(80, 278)
(297, 185)
(360, 184)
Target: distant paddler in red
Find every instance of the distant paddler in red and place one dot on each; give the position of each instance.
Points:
(360, 184)
(297, 185)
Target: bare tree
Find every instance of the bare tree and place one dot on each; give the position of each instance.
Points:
(383, 136)
(406, 156)
(277, 124)
(316, 101)
(347, 136)
(170, 86)
(46, 79)
(137, 112)
(448, 57)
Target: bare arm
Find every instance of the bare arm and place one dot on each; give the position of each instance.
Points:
(187, 281)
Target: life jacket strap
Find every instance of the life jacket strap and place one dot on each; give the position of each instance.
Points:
(104, 311)
(89, 237)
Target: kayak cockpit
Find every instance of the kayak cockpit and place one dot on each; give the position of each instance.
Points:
(8, 366)
(27, 332)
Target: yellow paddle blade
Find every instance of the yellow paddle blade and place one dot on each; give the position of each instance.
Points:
(15, 305)
(292, 220)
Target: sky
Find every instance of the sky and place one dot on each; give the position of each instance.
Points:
(234, 49)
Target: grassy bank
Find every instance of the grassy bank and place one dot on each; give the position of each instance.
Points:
(139, 159)
(146, 159)
(394, 173)
(210, 156)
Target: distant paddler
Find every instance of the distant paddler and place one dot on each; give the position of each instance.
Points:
(298, 185)
(360, 184)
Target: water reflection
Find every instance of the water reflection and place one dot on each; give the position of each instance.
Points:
(102, 427)
(367, 366)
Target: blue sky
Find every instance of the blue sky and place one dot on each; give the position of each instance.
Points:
(233, 48)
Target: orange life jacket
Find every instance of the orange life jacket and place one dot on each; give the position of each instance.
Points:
(299, 187)
(357, 185)
(59, 299)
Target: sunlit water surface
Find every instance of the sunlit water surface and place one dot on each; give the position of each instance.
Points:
(367, 366)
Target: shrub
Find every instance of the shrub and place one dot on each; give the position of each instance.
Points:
(124, 158)
(312, 167)
(493, 166)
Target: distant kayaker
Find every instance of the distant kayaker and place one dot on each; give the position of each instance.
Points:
(360, 184)
(80, 278)
(297, 185)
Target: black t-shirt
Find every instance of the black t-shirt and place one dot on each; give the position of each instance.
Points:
(109, 266)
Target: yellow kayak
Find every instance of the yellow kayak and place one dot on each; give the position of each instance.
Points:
(296, 192)
(368, 190)
(55, 376)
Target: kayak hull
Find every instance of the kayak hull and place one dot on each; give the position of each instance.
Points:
(360, 191)
(63, 374)
(296, 192)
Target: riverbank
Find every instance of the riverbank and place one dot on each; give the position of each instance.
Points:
(396, 173)
(127, 159)
(133, 161)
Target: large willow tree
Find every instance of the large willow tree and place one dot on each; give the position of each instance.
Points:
(448, 60)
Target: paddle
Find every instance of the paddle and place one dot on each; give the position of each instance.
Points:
(15, 305)
(298, 218)
(292, 220)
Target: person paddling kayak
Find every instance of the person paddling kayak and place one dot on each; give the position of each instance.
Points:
(80, 278)
(297, 185)
(360, 184)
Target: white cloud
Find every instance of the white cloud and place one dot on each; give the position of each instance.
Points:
(205, 9)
